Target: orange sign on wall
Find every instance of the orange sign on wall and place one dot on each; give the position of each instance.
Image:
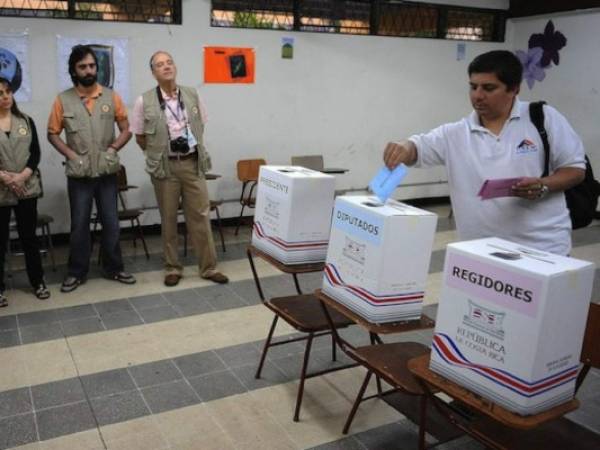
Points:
(228, 65)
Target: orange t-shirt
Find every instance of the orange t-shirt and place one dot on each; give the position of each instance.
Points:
(55, 121)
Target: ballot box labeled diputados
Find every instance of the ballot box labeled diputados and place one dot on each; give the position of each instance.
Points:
(293, 213)
(378, 257)
(510, 323)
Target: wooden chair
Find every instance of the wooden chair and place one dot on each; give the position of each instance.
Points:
(385, 361)
(125, 214)
(247, 173)
(46, 244)
(313, 162)
(498, 428)
(214, 206)
(304, 313)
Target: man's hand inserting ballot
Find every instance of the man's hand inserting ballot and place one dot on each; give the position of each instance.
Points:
(404, 152)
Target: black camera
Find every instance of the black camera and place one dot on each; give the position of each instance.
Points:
(180, 145)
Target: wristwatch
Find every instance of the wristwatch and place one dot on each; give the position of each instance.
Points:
(544, 190)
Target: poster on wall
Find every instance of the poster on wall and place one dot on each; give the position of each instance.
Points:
(287, 47)
(14, 63)
(113, 62)
(228, 65)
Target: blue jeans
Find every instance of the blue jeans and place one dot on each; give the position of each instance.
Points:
(81, 193)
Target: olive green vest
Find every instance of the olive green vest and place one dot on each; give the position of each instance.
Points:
(157, 135)
(90, 134)
(14, 153)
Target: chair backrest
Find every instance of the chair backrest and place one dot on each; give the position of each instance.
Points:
(590, 352)
(247, 169)
(122, 178)
(313, 162)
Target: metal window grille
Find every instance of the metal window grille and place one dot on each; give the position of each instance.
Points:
(375, 17)
(148, 11)
(267, 14)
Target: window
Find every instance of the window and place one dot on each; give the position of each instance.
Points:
(149, 11)
(375, 17)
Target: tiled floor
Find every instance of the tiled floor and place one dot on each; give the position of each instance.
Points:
(111, 366)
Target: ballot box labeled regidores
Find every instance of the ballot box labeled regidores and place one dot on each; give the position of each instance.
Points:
(293, 213)
(510, 323)
(378, 257)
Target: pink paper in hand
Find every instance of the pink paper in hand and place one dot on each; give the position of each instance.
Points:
(498, 188)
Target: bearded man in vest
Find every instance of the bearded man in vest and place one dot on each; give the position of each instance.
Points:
(168, 123)
(88, 113)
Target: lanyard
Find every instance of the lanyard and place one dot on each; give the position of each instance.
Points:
(180, 108)
(177, 112)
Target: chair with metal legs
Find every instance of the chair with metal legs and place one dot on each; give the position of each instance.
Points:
(500, 429)
(304, 313)
(247, 173)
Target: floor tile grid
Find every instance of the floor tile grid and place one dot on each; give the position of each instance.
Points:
(90, 400)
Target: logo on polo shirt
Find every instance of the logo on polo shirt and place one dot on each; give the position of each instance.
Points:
(526, 146)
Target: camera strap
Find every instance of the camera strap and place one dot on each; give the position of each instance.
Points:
(180, 106)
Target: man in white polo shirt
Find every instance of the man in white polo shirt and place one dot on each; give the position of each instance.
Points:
(498, 140)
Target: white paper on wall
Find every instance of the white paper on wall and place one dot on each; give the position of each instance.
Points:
(14, 63)
(113, 62)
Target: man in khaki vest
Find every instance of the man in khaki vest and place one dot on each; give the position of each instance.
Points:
(88, 113)
(168, 123)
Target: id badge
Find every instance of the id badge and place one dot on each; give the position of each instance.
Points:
(192, 142)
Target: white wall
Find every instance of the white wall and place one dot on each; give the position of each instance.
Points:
(341, 96)
(574, 85)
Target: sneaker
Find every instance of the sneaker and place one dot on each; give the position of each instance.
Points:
(3, 300)
(71, 283)
(217, 277)
(42, 292)
(122, 277)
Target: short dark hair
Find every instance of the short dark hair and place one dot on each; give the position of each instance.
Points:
(14, 109)
(504, 64)
(78, 53)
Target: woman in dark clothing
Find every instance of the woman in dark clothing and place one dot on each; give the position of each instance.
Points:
(20, 187)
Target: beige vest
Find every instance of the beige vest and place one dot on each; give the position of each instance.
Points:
(157, 135)
(14, 153)
(90, 134)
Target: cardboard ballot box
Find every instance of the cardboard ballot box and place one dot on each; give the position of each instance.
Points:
(510, 323)
(378, 257)
(293, 213)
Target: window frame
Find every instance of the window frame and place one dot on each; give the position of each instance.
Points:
(294, 11)
(71, 12)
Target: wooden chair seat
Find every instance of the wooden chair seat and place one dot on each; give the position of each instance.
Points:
(129, 214)
(420, 367)
(305, 313)
(556, 434)
(390, 362)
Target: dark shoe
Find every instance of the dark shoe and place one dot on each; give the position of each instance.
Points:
(122, 277)
(217, 277)
(172, 279)
(3, 300)
(71, 283)
(42, 292)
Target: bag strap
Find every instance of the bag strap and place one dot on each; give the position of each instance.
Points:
(536, 113)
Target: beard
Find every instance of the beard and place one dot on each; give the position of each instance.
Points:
(88, 80)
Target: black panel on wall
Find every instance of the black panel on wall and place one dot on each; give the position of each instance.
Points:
(522, 8)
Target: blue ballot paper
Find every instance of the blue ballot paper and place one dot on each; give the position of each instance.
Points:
(386, 181)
